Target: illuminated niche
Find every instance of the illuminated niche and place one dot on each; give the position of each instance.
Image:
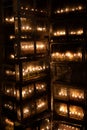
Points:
(32, 69)
(66, 56)
(76, 112)
(41, 104)
(61, 109)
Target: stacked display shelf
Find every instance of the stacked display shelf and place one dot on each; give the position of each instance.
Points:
(26, 75)
(68, 64)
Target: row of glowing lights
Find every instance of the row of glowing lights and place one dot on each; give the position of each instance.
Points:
(29, 69)
(32, 9)
(28, 28)
(31, 47)
(40, 104)
(74, 111)
(73, 94)
(65, 127)
(66, 56)
(63, 32)
(33, 69)
(65, 10)
(27, 91)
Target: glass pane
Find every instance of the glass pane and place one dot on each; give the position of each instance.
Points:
(76, 112)
(60, 92)
(76, 94)
(41, 104)
(61, 109)
(27, 91)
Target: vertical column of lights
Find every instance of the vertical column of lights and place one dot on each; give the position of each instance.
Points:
(32, 70)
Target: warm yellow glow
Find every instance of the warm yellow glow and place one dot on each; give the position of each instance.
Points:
(77, 94)
(9, 122)
(76, 32)
(12, 36)
(41, 104)
(76, 112)
(27, 91)
(9, 72)
(40, 86)
(61, 109)
(69, 9)
(68, 56)
(59, 33)
(67, 127)
(62, 92)
(40, 47)
(9, 20)
(12, 56)
(41, 29)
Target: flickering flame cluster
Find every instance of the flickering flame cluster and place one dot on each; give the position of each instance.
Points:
(45, 125)
(28, 110)
(28, 70)
(67, 56)
(27, 91)
(69, 9)
(67, 127)
(74, 111)
(28, 47)
(71, 93)
(70, 32)
(33, 10)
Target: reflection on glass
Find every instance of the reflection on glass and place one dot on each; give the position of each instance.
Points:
(76, 112)
(45, 125)
(9, 19)
(19, 114)
(26, 111)
(10, 73)
(41, 104)
(61, 109)
(60, 92)
(27, 91)
(40, 86)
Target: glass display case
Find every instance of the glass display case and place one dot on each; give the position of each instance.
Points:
(41, 104)
(61, 109)
(66, 52)
(26, 81)
(68, 92)
(76, 112)
(32, 69)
